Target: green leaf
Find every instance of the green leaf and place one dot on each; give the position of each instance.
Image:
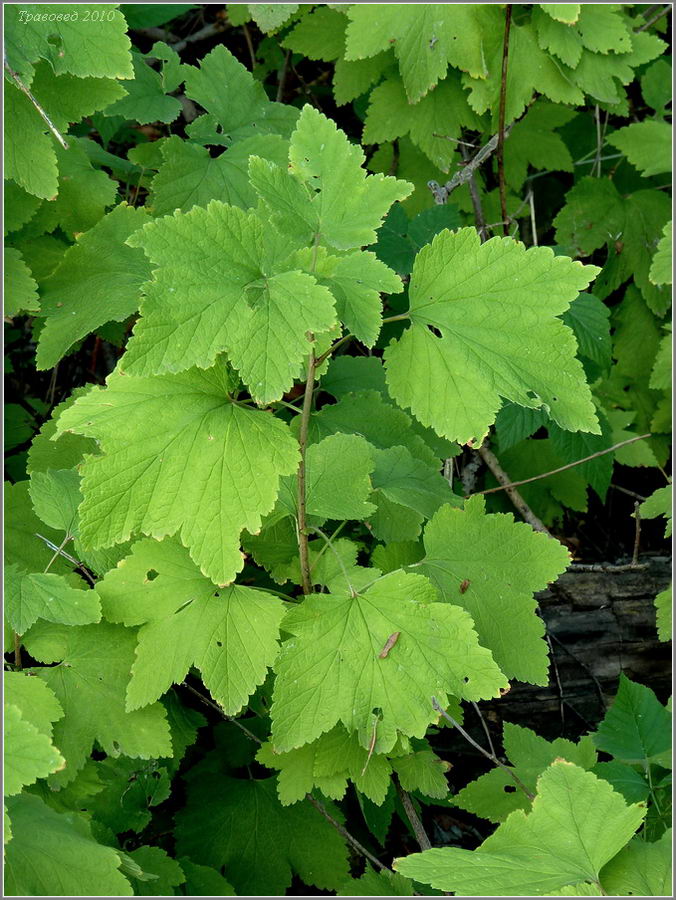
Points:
(204, 881)
(98, 281)
(84, 193)
(425, 39)
(352, 78)
(90, 686)
(636, 728)
(34, 699)
(331, 670)
(151, 432)
(189, 176)
(562, 12)
(588, 318)
(655, 83)
(231, 636)
(146, 100)
(591, 217)
(319, 35)
(405, 480)
(376, 884)
(434, 123)
(641, 869)
(573, 446)
(396, 555)
(452, 291)
(271, 16)
(578, 823)
(259, 308)
(20, 207)
(505, 562)
(327, 191)
(56, 496)
(422, 771)
(533, 141)
(663, 603)
(29, 753)
(399, 239)
(514, 423)
(166, 872)
(50, 597)
(21, 289)
(66, 452)
(556, 36)
(647, 145)
(74, 43)
(660, 270)
(625, 780)
(148, 16)
(236, 103)
(659, 503)
(49, 850)
(495, 795)
(603, 28)
(23, 547)
(242, 826)
(348, 374)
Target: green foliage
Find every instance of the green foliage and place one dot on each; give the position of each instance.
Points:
(244, 482)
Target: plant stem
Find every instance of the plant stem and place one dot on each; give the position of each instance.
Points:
(493, 758)
(17, 651)
(491, 461)
(346, 834)
(210, 703)
(655, 18)
(637, 536)
(22, 87)
(413, 818)
(511, 484)
(501, 121)
(302, 443)
(400, 318)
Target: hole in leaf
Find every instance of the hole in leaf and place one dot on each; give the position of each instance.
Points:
(219, 643)
(151, 575)
(466, 679)
(435, 331)
(509, 788)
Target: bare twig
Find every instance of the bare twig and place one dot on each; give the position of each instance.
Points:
(302, 442)
(412, 816)
(493, 758)
(484, 726)
(442, 192)
(476, 202)
(655, 18)
(584, 667)
(360, 848)
(501, 119)
(208, 31)
(22, 87)
(624, 490)
(605, 567)
(533, 224)
(637, 536)
(210, 703)
(505, 484)
(282, 77)
(249, 43)
(511, 484)
(596, 167)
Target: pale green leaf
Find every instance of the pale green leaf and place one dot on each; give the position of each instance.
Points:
(577, 824)
(271, 16)
(352, 78)
(660, 269)
(557, 37)
(603, 28)
(34, 699)
(376, 884)
(562, 12)
(29, 754)
(505, 563)
(70, 40)
(23, 547)
(240, 825)
(330, 669)
(56, 496)
(663, 603)
(50, 851)
(496, 307)
(66, 452)
(659, 503)
(422, 771)
(231, 637)
(90, 687)
(47, 596)
(647, 145)
(495, 795)
(20, 288)
(152, 433)
(238, 292)
(425, 39)
(98, 281)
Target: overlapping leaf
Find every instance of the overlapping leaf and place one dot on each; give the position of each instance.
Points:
(178, 456)
(484, 320)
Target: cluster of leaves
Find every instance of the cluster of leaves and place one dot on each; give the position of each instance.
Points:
(156, 541)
